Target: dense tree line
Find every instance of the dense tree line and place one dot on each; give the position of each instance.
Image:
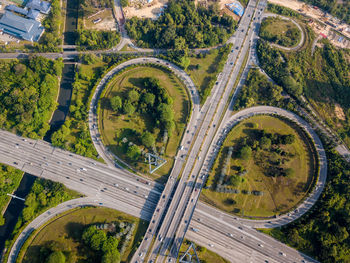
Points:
(89, 7)
(322, 77)
(290, 37)
(182, 25)
(275, 63)
(52, 38)
(28, 94)
(9, 182)
(95, 39)
(44, 194)
(258, 90)
(105, 245)
(74, 134)
(285, 11)
(324, 231)
(340, 9)
(152, 100)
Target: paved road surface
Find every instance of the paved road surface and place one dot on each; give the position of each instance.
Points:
(187, 184)
(232, 240)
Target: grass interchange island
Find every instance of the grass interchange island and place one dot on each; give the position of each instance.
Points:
(280, 31)
(265, 167)
(144, 109)
(87, 235)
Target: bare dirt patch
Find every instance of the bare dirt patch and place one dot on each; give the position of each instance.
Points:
(338, 110)
(320, 18)
(151, 10)
(105, 18)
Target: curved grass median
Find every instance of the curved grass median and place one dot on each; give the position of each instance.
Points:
(264, 168)
(280, 31)
(65, 235)
(144, 109)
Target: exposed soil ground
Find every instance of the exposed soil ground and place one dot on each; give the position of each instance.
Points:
(318, 14)
(151, 10)
(107, 20)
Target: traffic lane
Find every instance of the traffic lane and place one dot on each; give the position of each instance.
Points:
(251, 238)
(185, 196)
(226, 247)
(60, 169)
(66, 160)
(195, 195)
(82, 183)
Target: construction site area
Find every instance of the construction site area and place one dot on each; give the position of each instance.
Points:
(155, 8)
(97, 15)
(324, 25)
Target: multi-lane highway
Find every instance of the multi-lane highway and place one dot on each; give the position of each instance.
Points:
(104, 186)
(253, 14)
(174, 218)
(82, 174)
(171, 208)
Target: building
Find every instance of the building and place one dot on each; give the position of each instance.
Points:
(16, 9)
(20, 27)
(32, 14)
(236, 7)
(41, 6)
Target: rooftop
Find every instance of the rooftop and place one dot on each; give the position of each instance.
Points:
(27, 29)
(42, 6)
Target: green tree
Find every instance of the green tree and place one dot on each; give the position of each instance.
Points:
(97, 240)
(116, 103)
(147, 139)
(265, 142)
(245, 153)
(133, 96)
(133, 152)
(128, 108)
(185, 62)
(235, 180)
(124, 3)
(56, 257)
(111, 244)
(149, 98)
(112, 256)
(288, 139)
(2, 220)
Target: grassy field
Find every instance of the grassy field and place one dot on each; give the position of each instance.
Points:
(110, 123)
(203, 253)
(203, 70)
(280, 193)
(68, 230)
(280, 31)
